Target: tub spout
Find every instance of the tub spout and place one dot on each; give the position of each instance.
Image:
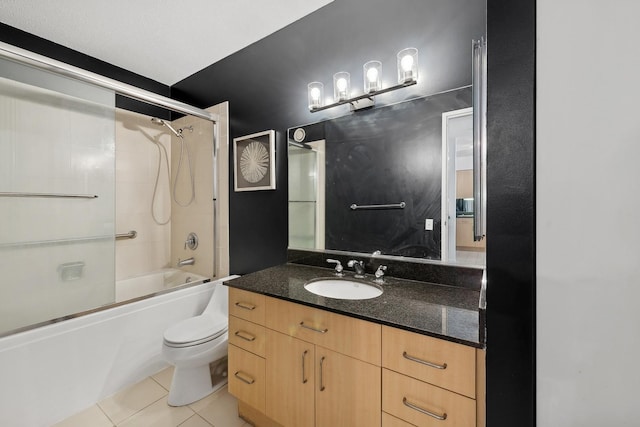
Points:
(188, 261)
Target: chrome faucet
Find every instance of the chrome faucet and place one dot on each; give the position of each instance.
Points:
(338, 267)
(358, 267)
(187, 261)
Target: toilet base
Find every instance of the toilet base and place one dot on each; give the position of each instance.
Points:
(190, 384)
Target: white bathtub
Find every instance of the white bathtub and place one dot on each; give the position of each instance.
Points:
(55, 371)
(155, 282)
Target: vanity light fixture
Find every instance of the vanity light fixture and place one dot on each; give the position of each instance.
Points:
(372, 70)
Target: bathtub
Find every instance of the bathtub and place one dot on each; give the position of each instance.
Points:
(52, 372)
(154, 283)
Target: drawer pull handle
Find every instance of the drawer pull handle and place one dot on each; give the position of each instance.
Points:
(321, 331)
(321, 377)
(424, 362)
(245, 336)
(244, 380)
(424, 411)
(304, 376)
(245, 305)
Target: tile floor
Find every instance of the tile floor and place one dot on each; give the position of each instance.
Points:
(145, 405)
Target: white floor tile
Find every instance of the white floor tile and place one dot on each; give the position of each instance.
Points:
(221, 410)
(164, 377)
(92, 416)
(195, 421)
(127, 402)
(159, 414)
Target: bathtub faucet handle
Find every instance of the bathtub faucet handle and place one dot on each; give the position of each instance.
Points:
(191, 242)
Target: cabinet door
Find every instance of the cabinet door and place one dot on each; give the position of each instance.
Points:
(247, 377)
(348, 391)
(290, 380)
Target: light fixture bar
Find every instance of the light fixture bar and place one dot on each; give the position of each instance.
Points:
(364, 96)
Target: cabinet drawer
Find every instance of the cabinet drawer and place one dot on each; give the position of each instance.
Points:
(423, 404)
(391, 421)
(442, 363)
(247, 377)
(246, 335)
(353, 337)
(247, 305)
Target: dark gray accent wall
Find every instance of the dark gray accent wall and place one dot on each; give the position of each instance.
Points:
(511, 274)
(266, 86)
(30, 42)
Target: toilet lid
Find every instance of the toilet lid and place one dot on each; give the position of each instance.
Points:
(200, 328)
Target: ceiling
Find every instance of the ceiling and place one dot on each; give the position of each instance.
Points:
(165, 40)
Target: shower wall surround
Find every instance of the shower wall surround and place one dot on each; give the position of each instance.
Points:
(138, 145)
(198, 216)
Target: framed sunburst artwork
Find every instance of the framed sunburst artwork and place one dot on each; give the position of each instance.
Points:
(254, 161)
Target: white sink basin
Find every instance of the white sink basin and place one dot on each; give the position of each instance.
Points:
(343, 288)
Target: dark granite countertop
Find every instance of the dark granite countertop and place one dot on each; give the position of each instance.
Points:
(447, 312)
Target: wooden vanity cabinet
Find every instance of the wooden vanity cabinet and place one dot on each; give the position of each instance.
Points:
(246, 347)
(430, 382)
(316, 375)
(298, 366)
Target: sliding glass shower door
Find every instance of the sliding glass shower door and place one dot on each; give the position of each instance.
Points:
(57, 166)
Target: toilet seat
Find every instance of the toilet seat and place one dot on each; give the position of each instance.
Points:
(196, 330)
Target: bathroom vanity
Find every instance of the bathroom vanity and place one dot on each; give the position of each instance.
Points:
(411, 357)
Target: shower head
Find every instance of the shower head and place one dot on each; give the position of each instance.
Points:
(161, 122)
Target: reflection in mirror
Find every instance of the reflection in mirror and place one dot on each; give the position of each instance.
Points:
(387, 179)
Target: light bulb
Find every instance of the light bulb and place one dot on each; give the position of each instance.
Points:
(315, 93)
(407, 62)
(341, 84)
(372, 75)
(315, 90)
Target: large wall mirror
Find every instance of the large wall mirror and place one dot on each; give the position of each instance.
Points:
(398, 179)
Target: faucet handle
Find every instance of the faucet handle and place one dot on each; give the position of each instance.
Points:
(338, 267)
(380, 273)
(353, 262)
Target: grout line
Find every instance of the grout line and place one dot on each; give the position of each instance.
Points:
(160, 384)
(113, 423)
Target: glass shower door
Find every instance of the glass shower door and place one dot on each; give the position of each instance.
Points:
(57, 167)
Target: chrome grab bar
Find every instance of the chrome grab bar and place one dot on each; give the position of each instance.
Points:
(130, 235)
(50, 195)
(400, 205)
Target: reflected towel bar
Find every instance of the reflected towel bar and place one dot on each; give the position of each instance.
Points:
(50, 195)
(130, 235)
(400, 205)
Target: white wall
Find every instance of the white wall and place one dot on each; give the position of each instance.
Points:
(588, 200)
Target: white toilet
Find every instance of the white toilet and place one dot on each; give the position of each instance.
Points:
(192, 344)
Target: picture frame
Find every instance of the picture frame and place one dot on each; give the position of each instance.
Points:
(254, 161)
